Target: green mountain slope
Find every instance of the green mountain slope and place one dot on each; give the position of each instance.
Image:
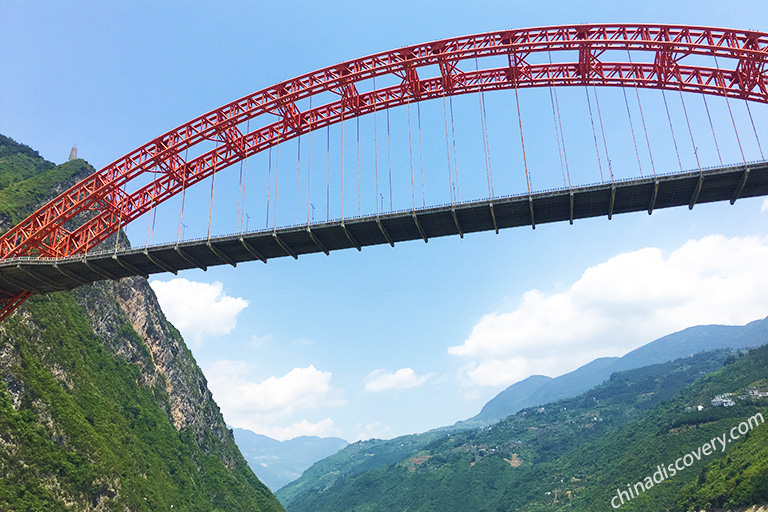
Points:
(572, 454)
(27, 181)
(102, 406)
(19, 162)
(739, 479)
(277, 463)
(595, 472)
(356, 459)
(539, 389)
(535, 390)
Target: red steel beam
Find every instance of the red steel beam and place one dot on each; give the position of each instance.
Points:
(740, 72)
(8, 303)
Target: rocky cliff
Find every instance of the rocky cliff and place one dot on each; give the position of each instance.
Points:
(102, 406)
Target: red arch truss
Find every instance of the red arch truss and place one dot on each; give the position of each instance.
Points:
(740, 71)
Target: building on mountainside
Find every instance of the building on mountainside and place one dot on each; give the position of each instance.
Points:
(724, 400)
(753, 394)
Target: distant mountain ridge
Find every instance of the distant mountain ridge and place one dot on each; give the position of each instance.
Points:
(366, 456)
(538, 389)
(573, 454)
(278, 463)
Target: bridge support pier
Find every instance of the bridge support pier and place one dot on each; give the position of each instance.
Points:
(384, 232)
(350, 237)
(70, 275)
(418, 226)
(37, 277)
(99, 271)
(696, 192)
(613, 202)
(12, 282)
(530, 207)
(223, 257)
(130, 268)
(189, 259)
(317, 242)
(653, 197)
(493, 217)
(284, 246)
(160, 264)
(740, 187)
(248, 247)
(456, 221)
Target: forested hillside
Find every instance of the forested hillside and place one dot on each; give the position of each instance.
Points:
(278, 462)
(574, 454)
(538, 389)
(102, 406)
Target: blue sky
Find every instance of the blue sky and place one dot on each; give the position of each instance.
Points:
(390, 341)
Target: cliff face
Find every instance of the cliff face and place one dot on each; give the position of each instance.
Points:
(190, 406)
(102, 406)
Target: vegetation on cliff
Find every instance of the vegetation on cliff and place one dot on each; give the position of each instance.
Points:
(102, 406)
(575, 454)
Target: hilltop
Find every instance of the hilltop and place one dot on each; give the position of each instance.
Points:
(277, 463)
(102, 406)
(571, 454)
(539, 389)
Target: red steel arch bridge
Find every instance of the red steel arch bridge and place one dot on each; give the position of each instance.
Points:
(68, 242)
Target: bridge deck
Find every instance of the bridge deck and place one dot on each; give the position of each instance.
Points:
(722, 184)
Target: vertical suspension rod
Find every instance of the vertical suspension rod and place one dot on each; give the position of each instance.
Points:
(309, 164)
(594, 133)
(269, 183)
(602, 131)
(712, 127)
(448, 152)
(389, 162)
(213, 184)
(455, 160)
(672, 130)
(754, 128)
(525, 160)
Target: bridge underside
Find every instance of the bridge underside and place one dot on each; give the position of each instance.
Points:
(645, 194)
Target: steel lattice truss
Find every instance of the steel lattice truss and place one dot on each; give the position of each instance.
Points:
(655, 59)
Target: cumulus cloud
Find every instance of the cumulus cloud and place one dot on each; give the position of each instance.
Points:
(300, 388)
(273, 406)
(618, 305)
(404, 378)
(198, 309)
(375, 430)
(322, 428)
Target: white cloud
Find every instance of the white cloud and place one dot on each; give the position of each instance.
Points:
(258, 342)
(302, 342)
(404, 378)
(322, 428)
(273, 407)
(300, 388)
(764, 206)
(198, 309)
(618, 305)
(375, 430)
